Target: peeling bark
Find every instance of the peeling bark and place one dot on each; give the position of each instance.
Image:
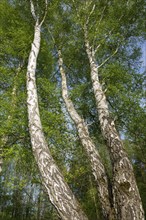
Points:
(127, 200)
(59, 192)
(93, 155)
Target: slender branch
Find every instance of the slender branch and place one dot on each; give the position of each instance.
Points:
(91, 12)
(45, 13)
(51, 35)
(100, 20)
(108, 58)
(95, 50)
(33, 10)
(101, 17)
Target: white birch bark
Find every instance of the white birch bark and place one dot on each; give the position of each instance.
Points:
(127, 200)
(92, 152)
(59, 192)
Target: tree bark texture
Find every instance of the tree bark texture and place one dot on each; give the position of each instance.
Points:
(97, 166)
(59, 192)
(127, 200)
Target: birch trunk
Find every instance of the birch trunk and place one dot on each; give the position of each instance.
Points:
(93, 155)
(59, 193)
(127, 200)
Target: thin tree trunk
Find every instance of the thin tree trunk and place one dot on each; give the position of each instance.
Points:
(93, 155)
(127, 200)
(39, 200)
(94, 198)
(59, 192)
(4, 138)
(1, 156)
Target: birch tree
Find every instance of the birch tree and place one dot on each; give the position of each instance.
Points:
(53, 181)
(127, 201)
(98, 168)
(125, 189)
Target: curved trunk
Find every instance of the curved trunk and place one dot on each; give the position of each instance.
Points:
(59, 193)
(127, 200)
(93, 155)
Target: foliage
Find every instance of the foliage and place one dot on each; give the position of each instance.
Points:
(112, 24)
